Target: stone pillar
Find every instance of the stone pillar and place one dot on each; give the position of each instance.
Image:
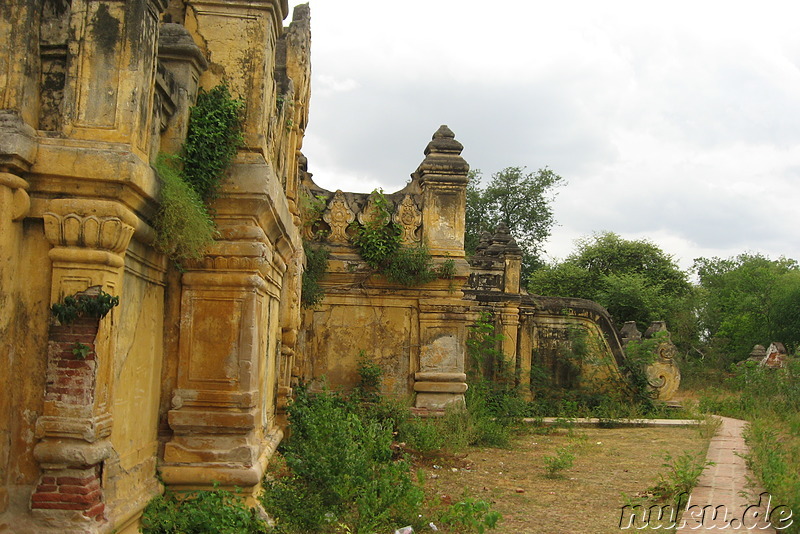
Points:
(247, 62)
(442, 175)
(223, 409)
(443, 178)
(184, 61)
(89, 239)
(441, 379)
(223, 414)
(14, 206)
(524, 355)
(290, 327)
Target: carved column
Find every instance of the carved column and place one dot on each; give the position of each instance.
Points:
(290, 326)
(14, 206)
(442, 175)
(89, 239)
(223, 414)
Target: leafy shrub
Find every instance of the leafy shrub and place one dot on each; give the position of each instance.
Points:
(410, 266)
(213, 139)
(342, 465)
(561, 460)
(370, 377)
(471, 515)
(80, 305)
(184, 228)
(380, 245)
(379, 238)
(203, 512)
(681, 476)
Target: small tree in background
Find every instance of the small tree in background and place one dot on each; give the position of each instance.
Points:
(633, 279)
(522, 200)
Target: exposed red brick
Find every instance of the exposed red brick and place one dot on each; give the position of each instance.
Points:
(46, 488)
(48, 480)
(46, 497)
(74, 481)
(89, 498)
(74, 364)
(82, 490)
(96, 511)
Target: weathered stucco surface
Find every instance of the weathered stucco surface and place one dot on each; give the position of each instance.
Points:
(184, 373)
(192, 372)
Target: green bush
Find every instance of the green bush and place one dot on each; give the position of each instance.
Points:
(203, 512)
(471, 515)
(410, 266)
(213, 139)
(184, 228)
(342, 465)
(561, 460)
(380, 238)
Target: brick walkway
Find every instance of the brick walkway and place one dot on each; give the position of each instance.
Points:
(721, 485)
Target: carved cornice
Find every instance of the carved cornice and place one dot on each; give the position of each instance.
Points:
(251, 264)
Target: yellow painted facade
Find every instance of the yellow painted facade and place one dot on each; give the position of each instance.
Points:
(191, 373)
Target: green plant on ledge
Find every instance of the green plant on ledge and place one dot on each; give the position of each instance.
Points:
(379, 242)
(84, 305)
(214, 137)
(184, 226)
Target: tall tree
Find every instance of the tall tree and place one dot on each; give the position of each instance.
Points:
(633, 279)
(522, 200)
(747, 300)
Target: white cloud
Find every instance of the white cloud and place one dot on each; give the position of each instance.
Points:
(674, 121)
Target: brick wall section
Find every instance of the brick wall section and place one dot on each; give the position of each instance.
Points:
(71, 378)
(73, 489)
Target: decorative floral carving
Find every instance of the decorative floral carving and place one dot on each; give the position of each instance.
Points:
(101, 233)
(338, 216)
(409, 218)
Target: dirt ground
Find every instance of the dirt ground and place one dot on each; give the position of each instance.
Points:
(587, 498)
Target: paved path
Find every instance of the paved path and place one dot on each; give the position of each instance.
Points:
(721, 485)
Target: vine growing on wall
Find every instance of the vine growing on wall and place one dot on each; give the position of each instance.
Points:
(379, 242)
(311, 292)
(189, 181)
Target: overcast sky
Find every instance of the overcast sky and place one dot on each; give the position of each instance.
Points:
(674, 121)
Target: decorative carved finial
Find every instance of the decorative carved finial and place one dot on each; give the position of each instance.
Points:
(338, 216)
(409, 218)
(443, 158)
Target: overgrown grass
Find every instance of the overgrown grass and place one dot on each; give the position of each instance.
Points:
(770, 400)
(342, 468)
(202, 512)
(184, 227)
(347, 461)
